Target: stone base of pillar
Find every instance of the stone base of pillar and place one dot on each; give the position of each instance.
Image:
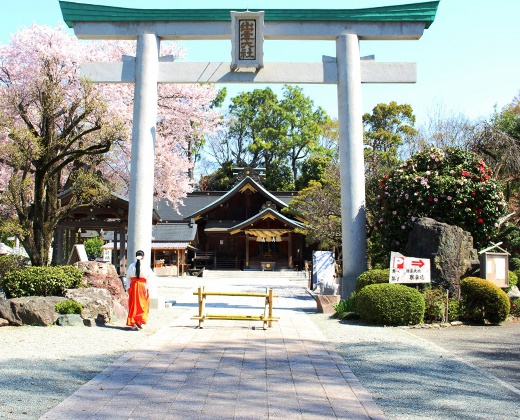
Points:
(326, 303)
(157, 303)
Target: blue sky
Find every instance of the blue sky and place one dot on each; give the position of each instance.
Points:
(468, 60)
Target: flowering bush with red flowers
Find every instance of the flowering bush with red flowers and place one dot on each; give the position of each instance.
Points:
(451, 186)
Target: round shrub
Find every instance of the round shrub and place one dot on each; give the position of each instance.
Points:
(93, 247)
(372, 277)
(390, 304)
(41, 281)
(483, 300)
(68, 307)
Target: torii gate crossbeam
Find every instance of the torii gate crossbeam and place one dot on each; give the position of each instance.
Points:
(345, 26)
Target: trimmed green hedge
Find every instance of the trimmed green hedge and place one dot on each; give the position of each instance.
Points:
(372, 277)
(41, 281)
(483, 301)
(390, 304)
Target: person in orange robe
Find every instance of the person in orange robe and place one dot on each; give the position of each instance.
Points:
(138, 295)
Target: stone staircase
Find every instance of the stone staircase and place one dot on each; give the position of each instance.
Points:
(289, 275)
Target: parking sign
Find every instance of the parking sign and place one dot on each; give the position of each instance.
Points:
(409, 269)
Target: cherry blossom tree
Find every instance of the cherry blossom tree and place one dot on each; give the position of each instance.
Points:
(59, 130)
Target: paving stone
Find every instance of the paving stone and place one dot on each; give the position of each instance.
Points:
(228, 370)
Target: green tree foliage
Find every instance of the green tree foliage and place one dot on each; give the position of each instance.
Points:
(220, 180)
(303, 127)
(271, 133)
(314, 169)
(498, 142)
(451, 186)
(509, 119)
(509, 235)
(386, 128)
(320, 206)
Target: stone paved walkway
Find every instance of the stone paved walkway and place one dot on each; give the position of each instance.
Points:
(228, 369)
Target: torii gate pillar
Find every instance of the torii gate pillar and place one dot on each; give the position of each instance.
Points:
(352, 172)
(143, 146)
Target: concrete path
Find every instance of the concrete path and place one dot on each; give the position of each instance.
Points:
(228, 369)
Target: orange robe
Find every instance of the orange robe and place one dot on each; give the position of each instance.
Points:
(138, 302)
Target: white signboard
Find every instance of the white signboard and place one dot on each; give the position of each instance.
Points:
(409, 269)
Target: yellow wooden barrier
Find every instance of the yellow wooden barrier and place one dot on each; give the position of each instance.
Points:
(267, 317)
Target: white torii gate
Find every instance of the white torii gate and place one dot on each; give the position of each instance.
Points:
(344, 26)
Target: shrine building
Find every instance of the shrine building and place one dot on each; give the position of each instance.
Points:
(240, 229)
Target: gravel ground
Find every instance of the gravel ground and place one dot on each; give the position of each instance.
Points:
(414, 378)
(409, 376)
(41, 366)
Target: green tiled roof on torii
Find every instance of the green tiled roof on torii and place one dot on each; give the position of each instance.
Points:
(417, 12)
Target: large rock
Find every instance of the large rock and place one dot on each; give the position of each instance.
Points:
(449, 248)
(104, 276)
(97, 303)
(35, 310)
(6, 312)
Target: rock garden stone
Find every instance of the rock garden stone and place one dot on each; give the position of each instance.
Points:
(35, 310)
(70, 320)
(96, 303)
(104, 276)
(449, 248)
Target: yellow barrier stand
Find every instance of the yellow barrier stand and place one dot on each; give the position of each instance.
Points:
(267, 317)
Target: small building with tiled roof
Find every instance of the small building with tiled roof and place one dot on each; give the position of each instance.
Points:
(243, 228)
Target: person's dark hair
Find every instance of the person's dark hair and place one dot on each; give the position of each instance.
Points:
(139, 255)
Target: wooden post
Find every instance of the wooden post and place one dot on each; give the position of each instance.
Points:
(270, 307)
(201, 306)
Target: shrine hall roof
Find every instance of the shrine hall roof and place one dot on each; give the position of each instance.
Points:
(262, 215)
(417, 12)
(236, 189)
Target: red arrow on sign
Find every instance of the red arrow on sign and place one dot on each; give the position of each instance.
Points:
(419, 263)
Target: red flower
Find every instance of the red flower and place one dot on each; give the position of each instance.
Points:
(430, 199)
(479, 220)
(466, 174)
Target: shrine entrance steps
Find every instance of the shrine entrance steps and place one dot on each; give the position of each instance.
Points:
(290, 275)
